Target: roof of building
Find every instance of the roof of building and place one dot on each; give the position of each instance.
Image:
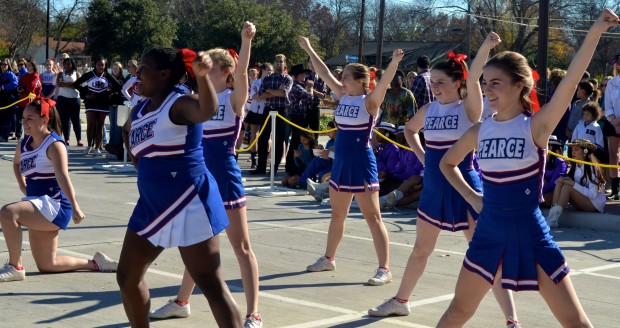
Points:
(413, 49)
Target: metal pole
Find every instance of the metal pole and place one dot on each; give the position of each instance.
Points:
(543, 39)
(47, 32)
(379, 60)
(360, 43)
(469, 29)
(273, 150)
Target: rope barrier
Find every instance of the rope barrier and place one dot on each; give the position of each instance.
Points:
(302, 128)
(30, 95)
(403, 146)
(256, 138)
(584, 162)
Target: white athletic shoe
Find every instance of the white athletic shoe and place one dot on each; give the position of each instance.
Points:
(86, 151)
(322, 264)
(97, 152)
(390, 307)
(311, 186)
(382, 202)
(253, 322)
(10, 273)
(104, 263)
(554, 216)
(382, 276)
(394, 197)
(171, 310)
(513, 324)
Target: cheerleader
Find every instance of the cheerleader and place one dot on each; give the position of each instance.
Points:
(179, 204)
(512, 240)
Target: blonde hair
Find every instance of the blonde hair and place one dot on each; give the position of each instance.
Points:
(360, 72)
(281, 56)
(120, 68)
(223, 58)
(133, 63)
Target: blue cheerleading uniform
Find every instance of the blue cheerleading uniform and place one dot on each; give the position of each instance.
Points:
(179, 202)
(219, 137)
(440, 204)
(42, 188)
(511, 230)
(355, 165)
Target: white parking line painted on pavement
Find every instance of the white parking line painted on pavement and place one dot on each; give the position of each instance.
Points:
(346, 236)
(598, 268)
(236, 288)
(351, 317)
(602, 275)
(436, 299)
(131, 203)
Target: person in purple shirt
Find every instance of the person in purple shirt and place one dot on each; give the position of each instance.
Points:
(8, 94)
(554, 169)
(387, 157)
(409, 171)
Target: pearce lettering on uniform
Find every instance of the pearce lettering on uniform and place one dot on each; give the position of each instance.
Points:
(347, 111)
(142, 133)
(500, 148)
(219, 115)
(449, 122)
(28, 163)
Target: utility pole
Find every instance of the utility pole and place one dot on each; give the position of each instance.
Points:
(379, 60)
(543, 40)
(469, 29)
(361, 40)
(47, 32)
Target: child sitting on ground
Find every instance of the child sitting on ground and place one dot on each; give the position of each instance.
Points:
(303, 155)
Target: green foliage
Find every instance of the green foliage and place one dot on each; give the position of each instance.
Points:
(125, 29)
(218, 24)
(324, 119)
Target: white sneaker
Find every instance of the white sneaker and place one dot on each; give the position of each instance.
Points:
(319, 196)
(382, 276)
(311, 186)
(97, 152)
(513, 324)
(253, 322)
(86, 151)
(10, 273)
(394, 197)
(171, 310)
(554, 216)
(326, 202)
(322, 264)
(390, 307)
(382, 202)
(104, 263)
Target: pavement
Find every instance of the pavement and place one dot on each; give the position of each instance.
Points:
(287, 234)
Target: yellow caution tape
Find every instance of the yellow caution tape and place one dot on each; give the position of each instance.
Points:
(30, 95)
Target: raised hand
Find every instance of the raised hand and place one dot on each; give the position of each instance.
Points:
(606, 20)
(398, 55)
(492, 40)
(304, 43)
(248, 31)
(202, 64)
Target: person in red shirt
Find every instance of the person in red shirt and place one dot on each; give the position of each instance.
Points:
(28, 83)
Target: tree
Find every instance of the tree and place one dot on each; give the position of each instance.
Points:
(21, 19)
(124, 29)
(67, 24)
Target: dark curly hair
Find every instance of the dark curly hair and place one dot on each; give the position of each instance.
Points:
(168, 58)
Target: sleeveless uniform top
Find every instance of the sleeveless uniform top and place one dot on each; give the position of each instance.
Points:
(512, 165)
(444, 124)
(354, 122)
(161, 144)
(38, 169)
(68, 92)
(220, 133)
(48, 82)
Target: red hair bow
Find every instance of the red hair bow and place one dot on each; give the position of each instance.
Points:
(533, 94)
(459, 59)
(234, 55)
(46, 103)
(188, 58)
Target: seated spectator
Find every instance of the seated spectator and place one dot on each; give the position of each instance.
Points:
(587, 128)
(320, 168)
(387, 157)
(409, 171)
(582, 187)
(302, 157)
(554, 169)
